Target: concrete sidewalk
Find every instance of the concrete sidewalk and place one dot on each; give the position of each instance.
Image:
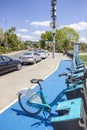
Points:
(12, 82)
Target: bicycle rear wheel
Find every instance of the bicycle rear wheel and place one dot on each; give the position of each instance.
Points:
(31, 110)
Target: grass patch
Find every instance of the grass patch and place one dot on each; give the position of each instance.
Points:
(84, 58)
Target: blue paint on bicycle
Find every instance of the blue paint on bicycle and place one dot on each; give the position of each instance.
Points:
(15, 118)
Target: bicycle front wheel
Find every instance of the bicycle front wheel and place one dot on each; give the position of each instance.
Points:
(31, 110)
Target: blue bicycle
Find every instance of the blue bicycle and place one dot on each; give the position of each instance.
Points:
(34, 102)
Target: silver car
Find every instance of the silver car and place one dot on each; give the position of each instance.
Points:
(42, 54)
(30, 57)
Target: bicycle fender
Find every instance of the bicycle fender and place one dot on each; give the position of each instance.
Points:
(27, 92)
(22, 91)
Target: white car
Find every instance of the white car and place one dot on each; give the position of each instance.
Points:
(47, 54)
(42, 54)
(30, 57)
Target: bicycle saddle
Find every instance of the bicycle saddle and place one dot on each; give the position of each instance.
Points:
(36, 80)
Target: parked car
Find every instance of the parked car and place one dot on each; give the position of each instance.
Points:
(47, 53)
(42, 54)
(8, 64)
(30, 57)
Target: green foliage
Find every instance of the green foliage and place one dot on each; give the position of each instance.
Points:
(47, 36)
(83, 46)
(66, 44)
(1, 37)
(26, 44)
(84, 58)
(42, 44)
(2, 50)
(10, 39)
(63, 38)
(70, 34)
(58, 47)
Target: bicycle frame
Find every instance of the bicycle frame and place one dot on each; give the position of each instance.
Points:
(38, 100)
(58, 97)
(44, 104)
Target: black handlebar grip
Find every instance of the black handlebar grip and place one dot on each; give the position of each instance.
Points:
(63, 74)
(68, 69)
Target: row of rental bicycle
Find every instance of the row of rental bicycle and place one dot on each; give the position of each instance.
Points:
(72, 113)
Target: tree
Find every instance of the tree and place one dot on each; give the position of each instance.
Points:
(64, 37)
(1, 37)
(83, 47)
(47, 36)
(11, 38)
(14, 43)
(70, 34)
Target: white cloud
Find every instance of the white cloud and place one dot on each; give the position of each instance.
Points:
(19, 35)
(38, 32)
(83, 39)
(22, 30)
(25, 37)
(43, 24)
(78, 26)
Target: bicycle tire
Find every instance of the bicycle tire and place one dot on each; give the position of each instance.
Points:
(26, 108)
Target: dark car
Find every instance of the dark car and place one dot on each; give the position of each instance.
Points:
(8, 64)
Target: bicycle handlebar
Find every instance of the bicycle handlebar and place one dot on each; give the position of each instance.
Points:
(63, 74)
(68, 69)
(71, 70)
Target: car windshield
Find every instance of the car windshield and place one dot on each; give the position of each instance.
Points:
(1, 60)
(28, 53)
(41, 52)
(5, 58)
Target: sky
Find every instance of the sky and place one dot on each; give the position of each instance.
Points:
(33, 17)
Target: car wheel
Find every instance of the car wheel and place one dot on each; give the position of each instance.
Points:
(22, 63)
(19, 66)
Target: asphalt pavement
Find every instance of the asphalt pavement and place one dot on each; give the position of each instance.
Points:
(12, 82)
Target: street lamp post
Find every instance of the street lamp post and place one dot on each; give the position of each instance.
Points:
(6, 42)
(53, 24)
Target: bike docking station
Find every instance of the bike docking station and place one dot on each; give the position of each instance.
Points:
(72, 114)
